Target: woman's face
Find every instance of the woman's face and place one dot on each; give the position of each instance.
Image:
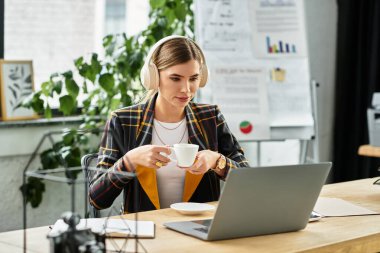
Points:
(179, 83)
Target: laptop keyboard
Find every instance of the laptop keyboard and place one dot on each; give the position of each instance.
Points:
(203, 230)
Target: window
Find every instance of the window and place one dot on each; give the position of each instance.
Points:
(115, 16)
(54, 33)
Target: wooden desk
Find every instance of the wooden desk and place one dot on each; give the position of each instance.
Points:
(371, 151)
(339, 234)
(368, 150)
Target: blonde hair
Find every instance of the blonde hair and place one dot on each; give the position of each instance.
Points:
(173, 52)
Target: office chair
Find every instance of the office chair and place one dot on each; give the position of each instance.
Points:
(90, 161)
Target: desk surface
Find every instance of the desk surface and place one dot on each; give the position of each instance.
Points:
(334, 234)
(368, 150)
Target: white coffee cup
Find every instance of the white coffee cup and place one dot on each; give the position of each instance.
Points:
(185, 153)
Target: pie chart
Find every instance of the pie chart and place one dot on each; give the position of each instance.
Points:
(246, 127)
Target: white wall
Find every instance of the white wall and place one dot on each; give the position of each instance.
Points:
(321, 19)
(40, 31)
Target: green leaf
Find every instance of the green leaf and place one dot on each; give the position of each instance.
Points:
(96, 67)
(57, 87)
(109, 44)
(170, 15)
(72, 87)
(127, 101)
(128, 44)
(84, 87)
(64, 151)
(136, 61)
(48, 113)
(69, 136)
(78, 62)
(107, 82)
(180, 12)
(67, 104)
(115, 103)
(91, 71)
(154, 4)
(84, 71)
(86, 103)
(34, 101)
(71, 155)
(107, 40)
(33, 190)
(68, 74)
(83, 139)
(54, 75)
(92, 111)
(49, 159)
(46, 88)
(161, 24)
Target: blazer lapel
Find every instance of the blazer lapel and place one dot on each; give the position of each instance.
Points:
(195, 129)
(148, 181)
(196, 137)
(144, 130)
(147, 176)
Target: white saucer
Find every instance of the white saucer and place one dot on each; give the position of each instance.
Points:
(191, 208)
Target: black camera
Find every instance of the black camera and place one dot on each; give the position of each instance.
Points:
(75, 240)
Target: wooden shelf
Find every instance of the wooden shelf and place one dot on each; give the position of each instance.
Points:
(368, 150)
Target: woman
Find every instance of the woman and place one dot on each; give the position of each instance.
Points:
(137, 138)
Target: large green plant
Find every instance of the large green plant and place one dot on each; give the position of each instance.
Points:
(106, 84)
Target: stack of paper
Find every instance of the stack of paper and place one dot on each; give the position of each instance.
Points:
(114, 227)
(334, 207)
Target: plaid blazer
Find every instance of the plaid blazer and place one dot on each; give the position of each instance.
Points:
(131, 127)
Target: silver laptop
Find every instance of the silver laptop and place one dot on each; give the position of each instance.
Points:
(260, 201)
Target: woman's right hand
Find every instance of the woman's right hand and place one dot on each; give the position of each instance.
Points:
(148, 156)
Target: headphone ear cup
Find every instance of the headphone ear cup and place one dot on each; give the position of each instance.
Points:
(149, 76)
(154, 77)
(204, 76)
(144, 76)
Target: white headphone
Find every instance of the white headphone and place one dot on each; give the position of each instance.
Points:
(149, 73)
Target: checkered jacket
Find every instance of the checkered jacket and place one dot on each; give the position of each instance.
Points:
(131, 127)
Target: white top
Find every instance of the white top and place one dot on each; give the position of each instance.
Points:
(170, 178)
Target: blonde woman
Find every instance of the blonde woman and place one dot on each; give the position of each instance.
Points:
(174, 70)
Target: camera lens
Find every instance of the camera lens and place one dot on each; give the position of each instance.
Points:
(92, 247)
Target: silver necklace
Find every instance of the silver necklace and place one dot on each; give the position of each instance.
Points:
(183, 135)
(170, 128)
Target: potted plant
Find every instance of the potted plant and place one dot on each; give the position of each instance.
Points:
(106, 84)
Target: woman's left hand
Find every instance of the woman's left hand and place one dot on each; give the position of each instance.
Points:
(205, 160)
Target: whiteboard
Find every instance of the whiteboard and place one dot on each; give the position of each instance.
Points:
(261, 34)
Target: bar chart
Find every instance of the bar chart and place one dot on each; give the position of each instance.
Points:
(280, 47)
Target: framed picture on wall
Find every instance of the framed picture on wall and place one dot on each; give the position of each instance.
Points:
(16, 83)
